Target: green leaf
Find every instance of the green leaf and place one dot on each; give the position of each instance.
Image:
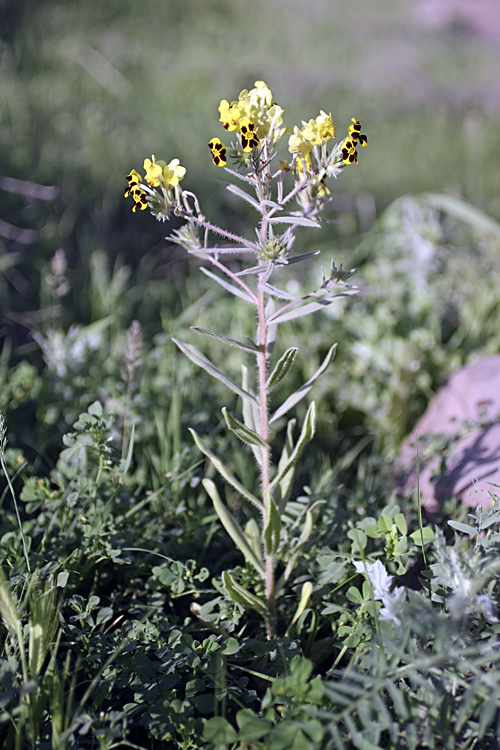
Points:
(230, 479)
(427, 534)
(458, 526)
(299, 221)
(305, 436)
(304, 389)
(401, 524)
(251, 726)
(354, 595)
(322, 302)
(241, 596)
(251, 416)
(272, 527)
(283, 365)
(286, 482)
(242, 431)
(252, 533)
(385, 523)
(244, 196)
(233, 528)
(236, 290)
(304, 536)
(219, 731)
(62, 579)
(225, 339)
(199, 359)
(304, 601)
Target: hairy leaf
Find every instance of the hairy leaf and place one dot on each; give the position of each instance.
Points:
(244, 196)
(282, 366)
(236, 290)
(305, 595)
(272, 527)
(199, 359)
(224, 471)
(241, 596)
(233, 528)
(306, 435)
(242, 431)
(225, 339)
(322, 302)
(304, 389)
(299, 221)
(251, 416)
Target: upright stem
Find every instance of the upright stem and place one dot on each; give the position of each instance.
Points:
(264, 421)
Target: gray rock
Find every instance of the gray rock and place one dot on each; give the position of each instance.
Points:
(458, 441)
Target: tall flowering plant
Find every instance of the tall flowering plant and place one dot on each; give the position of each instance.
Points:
(287, 195)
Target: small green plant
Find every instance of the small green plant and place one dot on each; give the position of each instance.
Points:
(291, 193)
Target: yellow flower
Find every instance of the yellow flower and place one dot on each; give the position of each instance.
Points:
(354, 131)
(173, 173)
(229, 115)
(303, 164)
(261, 94)
(140, 200)
(133, 179)
(326, 128)
(297, 143)
(249, 139)
(320, 130)
(154, 171)
(349, 153)
(218, 152)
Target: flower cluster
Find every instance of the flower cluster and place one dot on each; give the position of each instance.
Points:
(257, 123)
(253, 117)
(158, 175)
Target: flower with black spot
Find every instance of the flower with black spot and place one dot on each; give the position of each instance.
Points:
(133, 180)
(218, 152)
(354, 131)
(349, 153)
(140, 200)
(249, 139)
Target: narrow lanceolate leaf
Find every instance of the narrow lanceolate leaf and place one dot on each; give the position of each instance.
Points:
(299, 221)
(236, 290)
(242, 431)
(241, 596)
(321, 303)
(298, 258)
(251, 416)
(199, 359)
(225, 339)
(282, 367)
(252, 533)
(286, 483)
(230, 479)
(233, 528)
(304, 601)
(244, 196)
(304, 389)
(279, 293)
(272, 527)
(306, 435)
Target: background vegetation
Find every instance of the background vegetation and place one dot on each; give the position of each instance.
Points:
(115, 626)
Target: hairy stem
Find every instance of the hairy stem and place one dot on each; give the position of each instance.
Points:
(264, 417)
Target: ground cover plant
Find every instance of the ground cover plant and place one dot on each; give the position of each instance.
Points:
(164, 584)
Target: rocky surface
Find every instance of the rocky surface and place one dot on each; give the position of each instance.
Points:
(458, 440)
